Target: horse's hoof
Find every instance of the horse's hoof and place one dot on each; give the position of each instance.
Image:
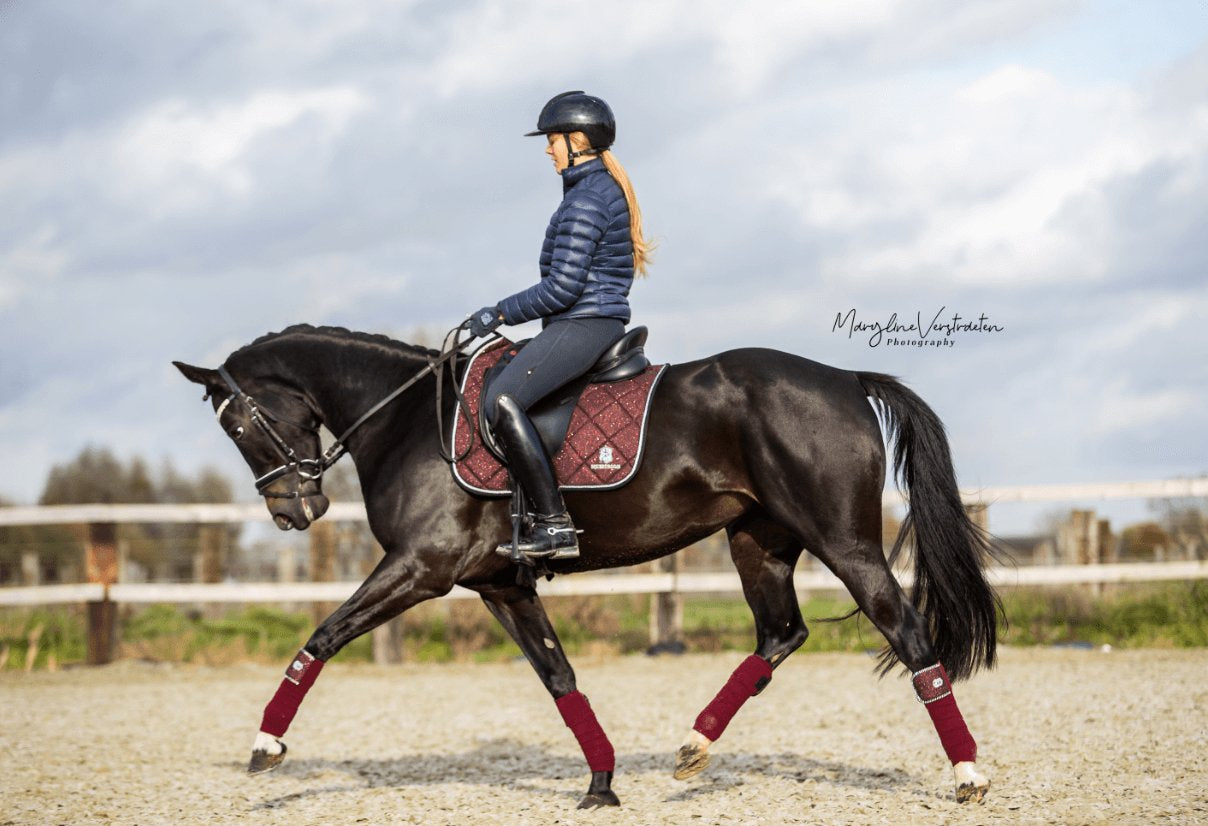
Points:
(594, 800)
(693, 756)
(690, 761)
(971, 785)
(969, 792)
(262, 761)
(599, 793)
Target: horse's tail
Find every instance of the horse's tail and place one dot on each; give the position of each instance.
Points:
(950, 552)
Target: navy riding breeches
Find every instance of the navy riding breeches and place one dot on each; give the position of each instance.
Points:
(563, 351)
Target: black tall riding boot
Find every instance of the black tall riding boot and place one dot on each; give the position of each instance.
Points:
(553, 533)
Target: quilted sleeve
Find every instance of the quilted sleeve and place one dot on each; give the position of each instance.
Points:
(580, 227)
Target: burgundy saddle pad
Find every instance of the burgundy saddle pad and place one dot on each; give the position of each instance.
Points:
(603, 446)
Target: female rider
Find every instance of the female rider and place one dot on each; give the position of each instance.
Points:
(593, 247)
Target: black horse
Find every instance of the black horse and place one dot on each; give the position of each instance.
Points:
(782, 452)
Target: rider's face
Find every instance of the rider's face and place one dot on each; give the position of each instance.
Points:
(556, 149)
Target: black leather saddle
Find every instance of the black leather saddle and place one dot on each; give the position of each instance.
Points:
(624, 359)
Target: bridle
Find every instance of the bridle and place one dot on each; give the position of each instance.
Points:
(263, 418)
(313, 469)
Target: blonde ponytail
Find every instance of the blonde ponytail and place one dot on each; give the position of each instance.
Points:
(641, 249)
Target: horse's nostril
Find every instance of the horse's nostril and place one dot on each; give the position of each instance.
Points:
(317, 505)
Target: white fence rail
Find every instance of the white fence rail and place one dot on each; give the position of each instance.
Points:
(103, 593)
(578, 585)
(355, 511)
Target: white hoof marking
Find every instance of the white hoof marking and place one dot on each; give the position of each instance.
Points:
(970, 783)
(267, 743)
(697, 740)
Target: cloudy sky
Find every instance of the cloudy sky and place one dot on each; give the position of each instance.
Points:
(177, 179)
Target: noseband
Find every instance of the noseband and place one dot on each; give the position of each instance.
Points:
(313, 469)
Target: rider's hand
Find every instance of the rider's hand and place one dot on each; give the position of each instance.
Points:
(484, 321)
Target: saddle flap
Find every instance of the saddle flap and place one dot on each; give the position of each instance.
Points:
(484, 423)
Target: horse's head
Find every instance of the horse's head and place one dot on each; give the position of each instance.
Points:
(277, 432)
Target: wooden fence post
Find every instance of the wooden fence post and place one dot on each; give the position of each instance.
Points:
(100, 565)
(322, 562)
(210, 563)
(1084, 540)
(387, 638)
(667, 612)
(287, 571)
(31, 568)
(388, 642)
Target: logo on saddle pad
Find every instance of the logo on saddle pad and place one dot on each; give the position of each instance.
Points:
(605, 462)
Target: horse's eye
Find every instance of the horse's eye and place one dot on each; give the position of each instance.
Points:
(237, 433)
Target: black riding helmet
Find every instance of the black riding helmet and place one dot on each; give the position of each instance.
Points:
(578, 112)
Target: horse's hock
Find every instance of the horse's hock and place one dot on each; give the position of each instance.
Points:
(826, 742)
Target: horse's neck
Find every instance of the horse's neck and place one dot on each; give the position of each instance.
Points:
(344, 378)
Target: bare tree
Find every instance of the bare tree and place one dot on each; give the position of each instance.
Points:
(1186, 522)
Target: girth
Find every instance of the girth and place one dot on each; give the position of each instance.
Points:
(624, 359)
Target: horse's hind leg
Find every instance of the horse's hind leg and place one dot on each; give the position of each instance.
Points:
(861, 565)
(764, 554)
(521, 613)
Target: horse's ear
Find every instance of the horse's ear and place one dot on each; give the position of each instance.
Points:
(201, 375)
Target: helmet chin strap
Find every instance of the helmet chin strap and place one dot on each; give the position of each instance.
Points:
(571, 154)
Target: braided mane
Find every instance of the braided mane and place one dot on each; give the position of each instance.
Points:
(345, 334)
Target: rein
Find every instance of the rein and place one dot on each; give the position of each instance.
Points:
(313, 469)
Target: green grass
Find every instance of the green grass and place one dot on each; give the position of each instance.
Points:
(726, 624)
(1167, 616)
(56, 636)
(1140, 616)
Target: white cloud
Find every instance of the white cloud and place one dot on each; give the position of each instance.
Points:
(1152, 317)
(1119, 409)
(208, 145)
(34, 259)
(984, 174)
(1007, 84)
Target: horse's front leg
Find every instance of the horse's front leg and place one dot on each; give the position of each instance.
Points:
(520, 611)
(393, 587)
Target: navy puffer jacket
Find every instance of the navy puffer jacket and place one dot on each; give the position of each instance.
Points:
(587, 257)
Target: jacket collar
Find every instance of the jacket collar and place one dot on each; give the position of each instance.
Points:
(573, 174)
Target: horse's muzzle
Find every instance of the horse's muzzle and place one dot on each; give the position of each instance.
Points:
(297, 514)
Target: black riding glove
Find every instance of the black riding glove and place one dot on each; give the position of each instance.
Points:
(484, 321)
